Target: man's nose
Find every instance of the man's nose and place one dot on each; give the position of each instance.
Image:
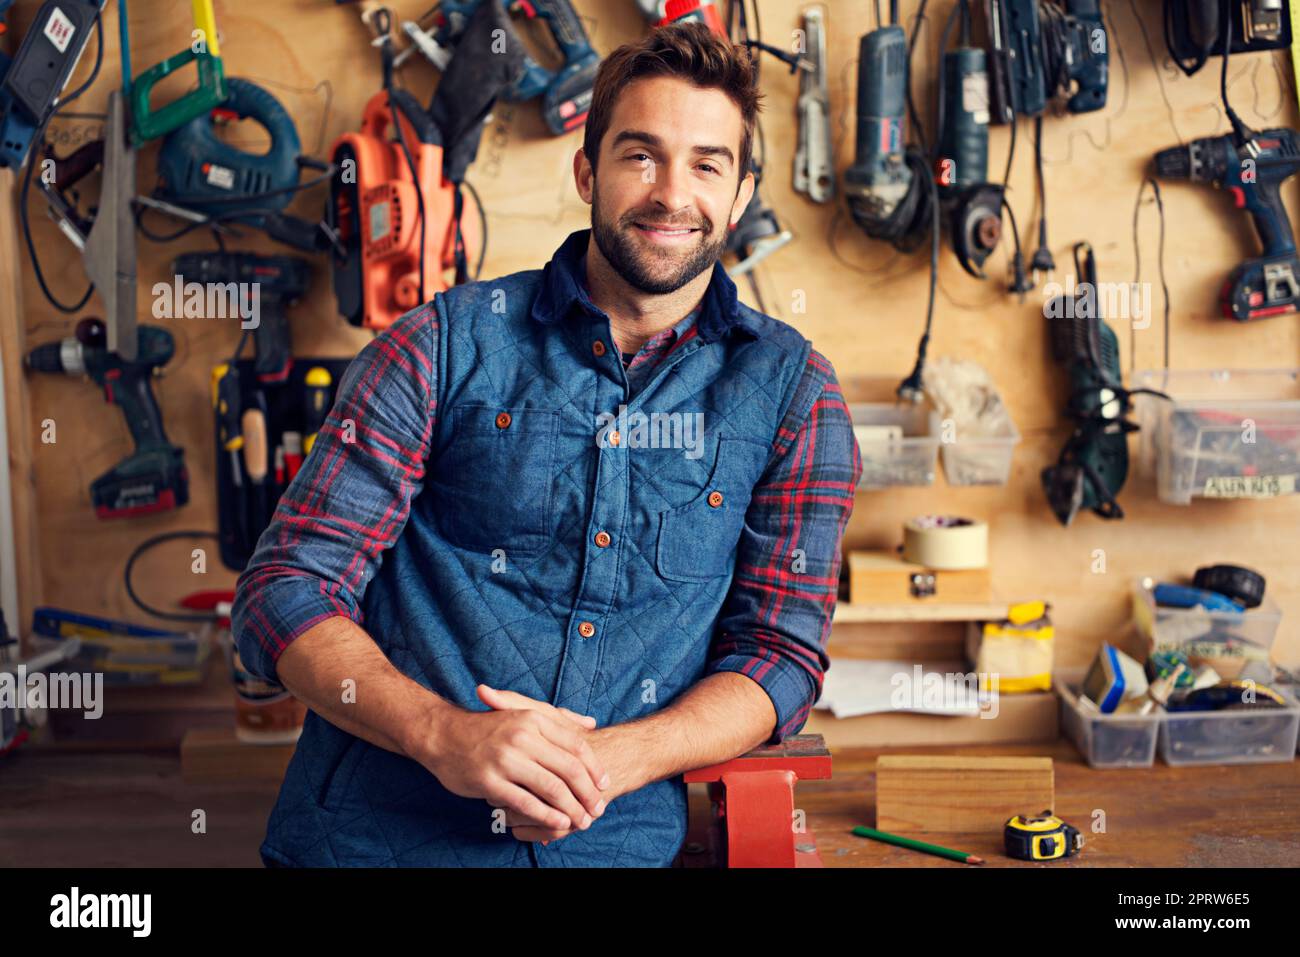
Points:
(671, 188)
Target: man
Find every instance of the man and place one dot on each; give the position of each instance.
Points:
(523, 584)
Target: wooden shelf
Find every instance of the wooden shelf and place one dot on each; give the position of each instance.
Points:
(920, 610)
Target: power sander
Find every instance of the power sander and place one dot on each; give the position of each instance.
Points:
(1252, 166)
(153, 478)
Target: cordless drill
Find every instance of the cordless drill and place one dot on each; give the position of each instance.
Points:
(154, 477)
(1252, 166)
(277, 282)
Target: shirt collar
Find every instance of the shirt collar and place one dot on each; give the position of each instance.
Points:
(563, 289)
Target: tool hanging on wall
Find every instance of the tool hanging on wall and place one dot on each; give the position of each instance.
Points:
(565, 94)
(106, 239)
(277, 281)
(891, 195)
(199, 173)
(1194, 28)
(154, 477)
(814, 157)
(972, 205)
(1093, 465)
(204, 52)
(395, 204)
(1252, 166)
(32, 82)
(1042, 52)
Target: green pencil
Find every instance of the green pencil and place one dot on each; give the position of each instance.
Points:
(947, 852)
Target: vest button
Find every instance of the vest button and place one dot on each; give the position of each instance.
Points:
(586, 629)
(615, 438)
(715, 499)
(602, 539)
(503, 420)
(598, 347)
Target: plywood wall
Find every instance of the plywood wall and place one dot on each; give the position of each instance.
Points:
(864, 302)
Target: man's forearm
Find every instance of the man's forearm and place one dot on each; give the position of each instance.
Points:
(337, 670)
(720, 717)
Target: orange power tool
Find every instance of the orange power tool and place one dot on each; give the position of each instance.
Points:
(375, 208)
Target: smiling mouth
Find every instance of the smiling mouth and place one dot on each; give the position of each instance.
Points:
(656, 229)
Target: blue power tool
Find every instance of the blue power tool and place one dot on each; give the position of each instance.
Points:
(566, 93)
(202, 174)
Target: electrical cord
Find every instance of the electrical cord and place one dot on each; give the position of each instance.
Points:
(914, 115)
(143, 547)
(39, 138)
(483, 231)
(382, 23)
(1160, 267)
(224, 200)
(912, 388)
(1042, 260)
(1240, 129)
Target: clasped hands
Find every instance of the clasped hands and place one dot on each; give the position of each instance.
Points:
(549, 769)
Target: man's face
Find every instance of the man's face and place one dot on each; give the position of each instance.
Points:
(669, 184)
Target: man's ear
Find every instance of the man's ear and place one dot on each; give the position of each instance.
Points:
(583, 175)
(743, 196)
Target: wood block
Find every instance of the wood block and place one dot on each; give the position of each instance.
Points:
(945, 794)
(210, 754)
(877, 577)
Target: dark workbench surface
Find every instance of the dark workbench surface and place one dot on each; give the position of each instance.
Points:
(129, 809)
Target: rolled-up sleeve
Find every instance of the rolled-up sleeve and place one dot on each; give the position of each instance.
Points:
(777, 616)
(350, 500)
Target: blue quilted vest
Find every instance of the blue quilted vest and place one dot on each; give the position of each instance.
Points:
(497, 576)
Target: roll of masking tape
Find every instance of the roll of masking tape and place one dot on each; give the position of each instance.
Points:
(946, 542)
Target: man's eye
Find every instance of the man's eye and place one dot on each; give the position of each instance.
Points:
(640, 157)
(710, 168)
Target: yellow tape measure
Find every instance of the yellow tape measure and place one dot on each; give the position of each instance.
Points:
(1042, 837)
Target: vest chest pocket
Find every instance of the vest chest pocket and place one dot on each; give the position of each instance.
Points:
(497, 473)
(697, 540)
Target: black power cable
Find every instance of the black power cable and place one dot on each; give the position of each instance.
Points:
(143, 547)
(37, 139)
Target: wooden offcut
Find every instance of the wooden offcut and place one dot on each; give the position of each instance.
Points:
(882, 577)
(946, 794)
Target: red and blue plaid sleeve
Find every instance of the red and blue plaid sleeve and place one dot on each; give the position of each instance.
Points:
(349, 502)
(777, 616)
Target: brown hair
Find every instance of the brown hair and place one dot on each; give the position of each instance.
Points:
(690, 51)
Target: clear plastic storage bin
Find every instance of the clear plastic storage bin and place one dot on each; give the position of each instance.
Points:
(899, 443)
(1255, 736)
(982, 461)
(1226, 434)
(1108, 740)
(1228, 641)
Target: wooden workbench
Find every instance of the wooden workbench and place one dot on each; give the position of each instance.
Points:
(127, 810)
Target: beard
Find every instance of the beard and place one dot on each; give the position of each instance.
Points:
(650, 270)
